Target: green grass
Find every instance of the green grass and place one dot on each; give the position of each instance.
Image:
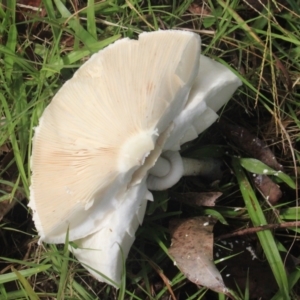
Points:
(39, 52)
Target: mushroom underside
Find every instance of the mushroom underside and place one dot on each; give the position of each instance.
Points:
(186, 107)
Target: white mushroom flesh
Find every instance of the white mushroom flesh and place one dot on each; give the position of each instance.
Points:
(81, 160)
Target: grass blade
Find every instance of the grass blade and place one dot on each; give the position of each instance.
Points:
(257, 167)
(4, 278)
(265, 237)
(91, 23)
(30, 292)
(64, 269)
(80, 32)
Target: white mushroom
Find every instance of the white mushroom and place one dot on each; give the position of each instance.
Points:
(100, 135)
(104, 129)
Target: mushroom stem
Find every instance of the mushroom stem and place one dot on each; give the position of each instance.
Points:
(161, 168)
(170, 167)
(160, 182)
(206, 167)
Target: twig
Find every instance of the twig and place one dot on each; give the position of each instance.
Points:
(257, 229)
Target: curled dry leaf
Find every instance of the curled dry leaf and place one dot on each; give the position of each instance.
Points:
(192, 250)
(199, 199)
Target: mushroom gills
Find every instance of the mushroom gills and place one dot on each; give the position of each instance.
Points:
(84, 143)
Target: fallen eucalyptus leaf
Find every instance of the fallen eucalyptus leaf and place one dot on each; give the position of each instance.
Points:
(192, 250)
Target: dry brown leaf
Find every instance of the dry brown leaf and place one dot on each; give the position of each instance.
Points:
(268, 188)
(4, 149)
(199, 9)
(192, 250)
(251, 144)
(199, 199)
(258, 149)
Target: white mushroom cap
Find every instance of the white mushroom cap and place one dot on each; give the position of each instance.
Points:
(107, 249)
(102, 125)
(213, 87)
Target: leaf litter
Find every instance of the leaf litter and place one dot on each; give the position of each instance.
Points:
(192, 239)
(241, 266)
(192, 250)
(256, 148)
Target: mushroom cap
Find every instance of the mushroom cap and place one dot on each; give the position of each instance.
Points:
(102, 125)
(104, 251)
(213, 87)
